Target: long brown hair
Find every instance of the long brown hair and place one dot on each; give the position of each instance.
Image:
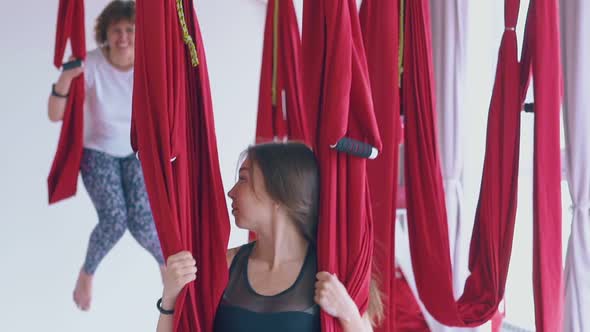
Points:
(114, 12)
(291, 178)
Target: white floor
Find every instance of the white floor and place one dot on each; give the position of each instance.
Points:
(40, 261)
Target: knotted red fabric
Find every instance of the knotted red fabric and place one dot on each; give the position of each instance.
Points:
(381, 33)
(62, 181)
(340, 105)
(173, 132)
(280, 101)
(492, 237)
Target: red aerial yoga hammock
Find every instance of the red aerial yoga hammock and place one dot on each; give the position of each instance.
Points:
(339, 105)
(494, 227)
(492, 238)
(280, 101)
(63, 176)
(173, 132)
(381, 33)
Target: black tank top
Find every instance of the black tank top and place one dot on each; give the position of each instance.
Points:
(243, 310)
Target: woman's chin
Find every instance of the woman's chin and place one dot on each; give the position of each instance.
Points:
(243, 225)
(239, 223)
(126, 50)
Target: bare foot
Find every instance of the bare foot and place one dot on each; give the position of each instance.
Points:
(83, 291)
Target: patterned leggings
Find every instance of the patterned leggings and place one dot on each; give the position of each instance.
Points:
(117, 190)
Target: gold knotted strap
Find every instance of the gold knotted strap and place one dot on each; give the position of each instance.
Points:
(186, 37)
(402, 21)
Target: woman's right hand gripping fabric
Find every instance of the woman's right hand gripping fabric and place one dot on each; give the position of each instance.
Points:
(180, 270)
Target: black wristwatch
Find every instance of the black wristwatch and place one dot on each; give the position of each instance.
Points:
(162, 310)
(56, 94)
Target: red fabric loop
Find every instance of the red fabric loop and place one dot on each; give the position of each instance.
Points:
(63, 177)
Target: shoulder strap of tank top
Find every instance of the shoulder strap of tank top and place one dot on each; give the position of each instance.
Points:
(242, 255)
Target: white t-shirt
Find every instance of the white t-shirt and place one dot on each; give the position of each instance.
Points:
(107, 108)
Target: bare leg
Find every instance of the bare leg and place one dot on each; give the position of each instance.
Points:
(162, 271)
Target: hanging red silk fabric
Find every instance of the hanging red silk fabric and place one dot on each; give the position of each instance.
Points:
(173, 132)
(491, 242)
(380, 31)
(63, 177)
(340, 105)
(492, 238)
(408, 315)
(547, 247)
(281, 113)
(280, 101)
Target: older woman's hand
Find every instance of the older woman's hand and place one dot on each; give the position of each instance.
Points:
(62, 86)
(69, 75)
(333, 298)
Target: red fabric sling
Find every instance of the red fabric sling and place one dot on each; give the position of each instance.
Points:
(173, 132)
(381, 33)
(547, 247)
(494, 227)
(408, 315)
(280, 101)
(63, 177)
(340, 105)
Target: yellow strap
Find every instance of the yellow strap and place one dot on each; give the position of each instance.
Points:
(401, 40)
(188, 40)
(275, 52)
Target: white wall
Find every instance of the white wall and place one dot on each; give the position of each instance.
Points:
(42, 247)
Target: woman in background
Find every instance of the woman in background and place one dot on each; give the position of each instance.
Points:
(110, 172)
